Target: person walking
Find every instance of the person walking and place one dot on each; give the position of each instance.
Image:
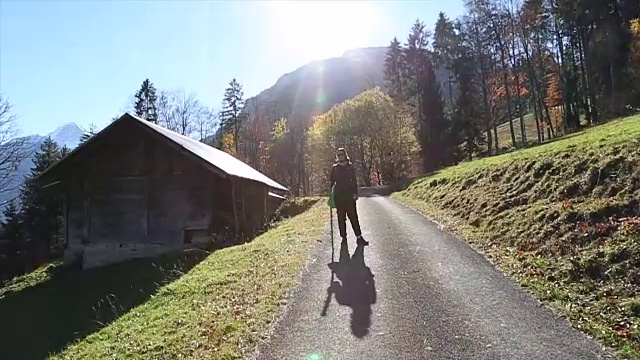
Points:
(345, 187)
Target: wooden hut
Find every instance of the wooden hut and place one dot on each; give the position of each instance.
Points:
(137, 189)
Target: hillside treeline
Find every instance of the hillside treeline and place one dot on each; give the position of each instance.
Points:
(520, 72)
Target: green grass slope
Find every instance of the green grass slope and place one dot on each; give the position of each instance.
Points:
(562, 218)
(189, 306)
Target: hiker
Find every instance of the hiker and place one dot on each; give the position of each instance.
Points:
(343, 177)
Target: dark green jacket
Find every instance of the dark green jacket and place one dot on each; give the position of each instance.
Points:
(344, 178)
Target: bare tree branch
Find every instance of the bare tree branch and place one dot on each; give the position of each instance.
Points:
(166, 101)
(12, 148)
(205, 123)
(186, 109)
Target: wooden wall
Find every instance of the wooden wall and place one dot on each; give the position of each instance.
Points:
(137, 196)
(139, 192)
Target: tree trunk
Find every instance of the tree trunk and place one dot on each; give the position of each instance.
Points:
(505, 80)
(495, 136)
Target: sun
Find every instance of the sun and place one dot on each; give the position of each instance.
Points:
(321, 29)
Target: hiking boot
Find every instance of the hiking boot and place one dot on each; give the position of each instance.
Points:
(362, 241)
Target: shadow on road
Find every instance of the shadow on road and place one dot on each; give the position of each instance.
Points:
(355, 288)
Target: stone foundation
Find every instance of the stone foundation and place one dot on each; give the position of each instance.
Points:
(103, 254)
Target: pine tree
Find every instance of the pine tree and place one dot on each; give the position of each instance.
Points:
(88, 135)
(146, 105)
(232, 104)
(424, 92)
(467, 111)
(415, 60)
(393, 70)
(433, 123)
(64, 151)
(41, 212)
(445, 49)
(13, 231)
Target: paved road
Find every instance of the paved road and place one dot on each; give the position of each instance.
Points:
(430, 297)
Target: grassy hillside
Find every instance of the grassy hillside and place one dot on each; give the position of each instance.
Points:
(191, 306)
(504, 133)
(529, 120)
(562, 218)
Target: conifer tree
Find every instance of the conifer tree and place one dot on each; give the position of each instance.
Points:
(41, 213)
(145, 104)
(232, 104)
(13, 232)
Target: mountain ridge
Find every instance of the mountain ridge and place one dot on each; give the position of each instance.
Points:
(67, 135)
(315, 87)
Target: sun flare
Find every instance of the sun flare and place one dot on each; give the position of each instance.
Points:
(321, 29)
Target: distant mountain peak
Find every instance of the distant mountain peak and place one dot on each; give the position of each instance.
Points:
(67, 128)
(67, 135)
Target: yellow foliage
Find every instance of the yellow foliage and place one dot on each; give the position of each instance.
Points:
(228, 144)
(634, 53)
(635, 27)
(378, 136)
(279, 130)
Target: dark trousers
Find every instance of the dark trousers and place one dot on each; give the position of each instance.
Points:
(344, 209)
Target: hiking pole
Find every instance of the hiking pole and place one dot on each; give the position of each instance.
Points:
(332, 246)
(332, 203)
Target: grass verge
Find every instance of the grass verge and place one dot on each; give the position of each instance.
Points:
(562, 218)
(31, 279)
(219, 307)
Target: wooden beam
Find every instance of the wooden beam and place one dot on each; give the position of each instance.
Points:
(146, 219)
(265, 196)
(86, 228)
(235, 207)
(244, 213)
(66, 218)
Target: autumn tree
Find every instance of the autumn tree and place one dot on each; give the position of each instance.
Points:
(227, 144)
(554, 101)
(634, 62)
(525, 55)
(534, 32)
(377, 132)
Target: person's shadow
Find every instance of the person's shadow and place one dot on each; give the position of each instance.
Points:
(355, 288)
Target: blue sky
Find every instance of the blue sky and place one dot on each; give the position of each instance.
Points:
(80, 61)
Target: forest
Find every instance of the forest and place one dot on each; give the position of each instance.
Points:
(520, 73)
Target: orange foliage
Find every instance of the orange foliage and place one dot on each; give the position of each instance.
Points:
(556, 114)
(498, 92)
(554, 95)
